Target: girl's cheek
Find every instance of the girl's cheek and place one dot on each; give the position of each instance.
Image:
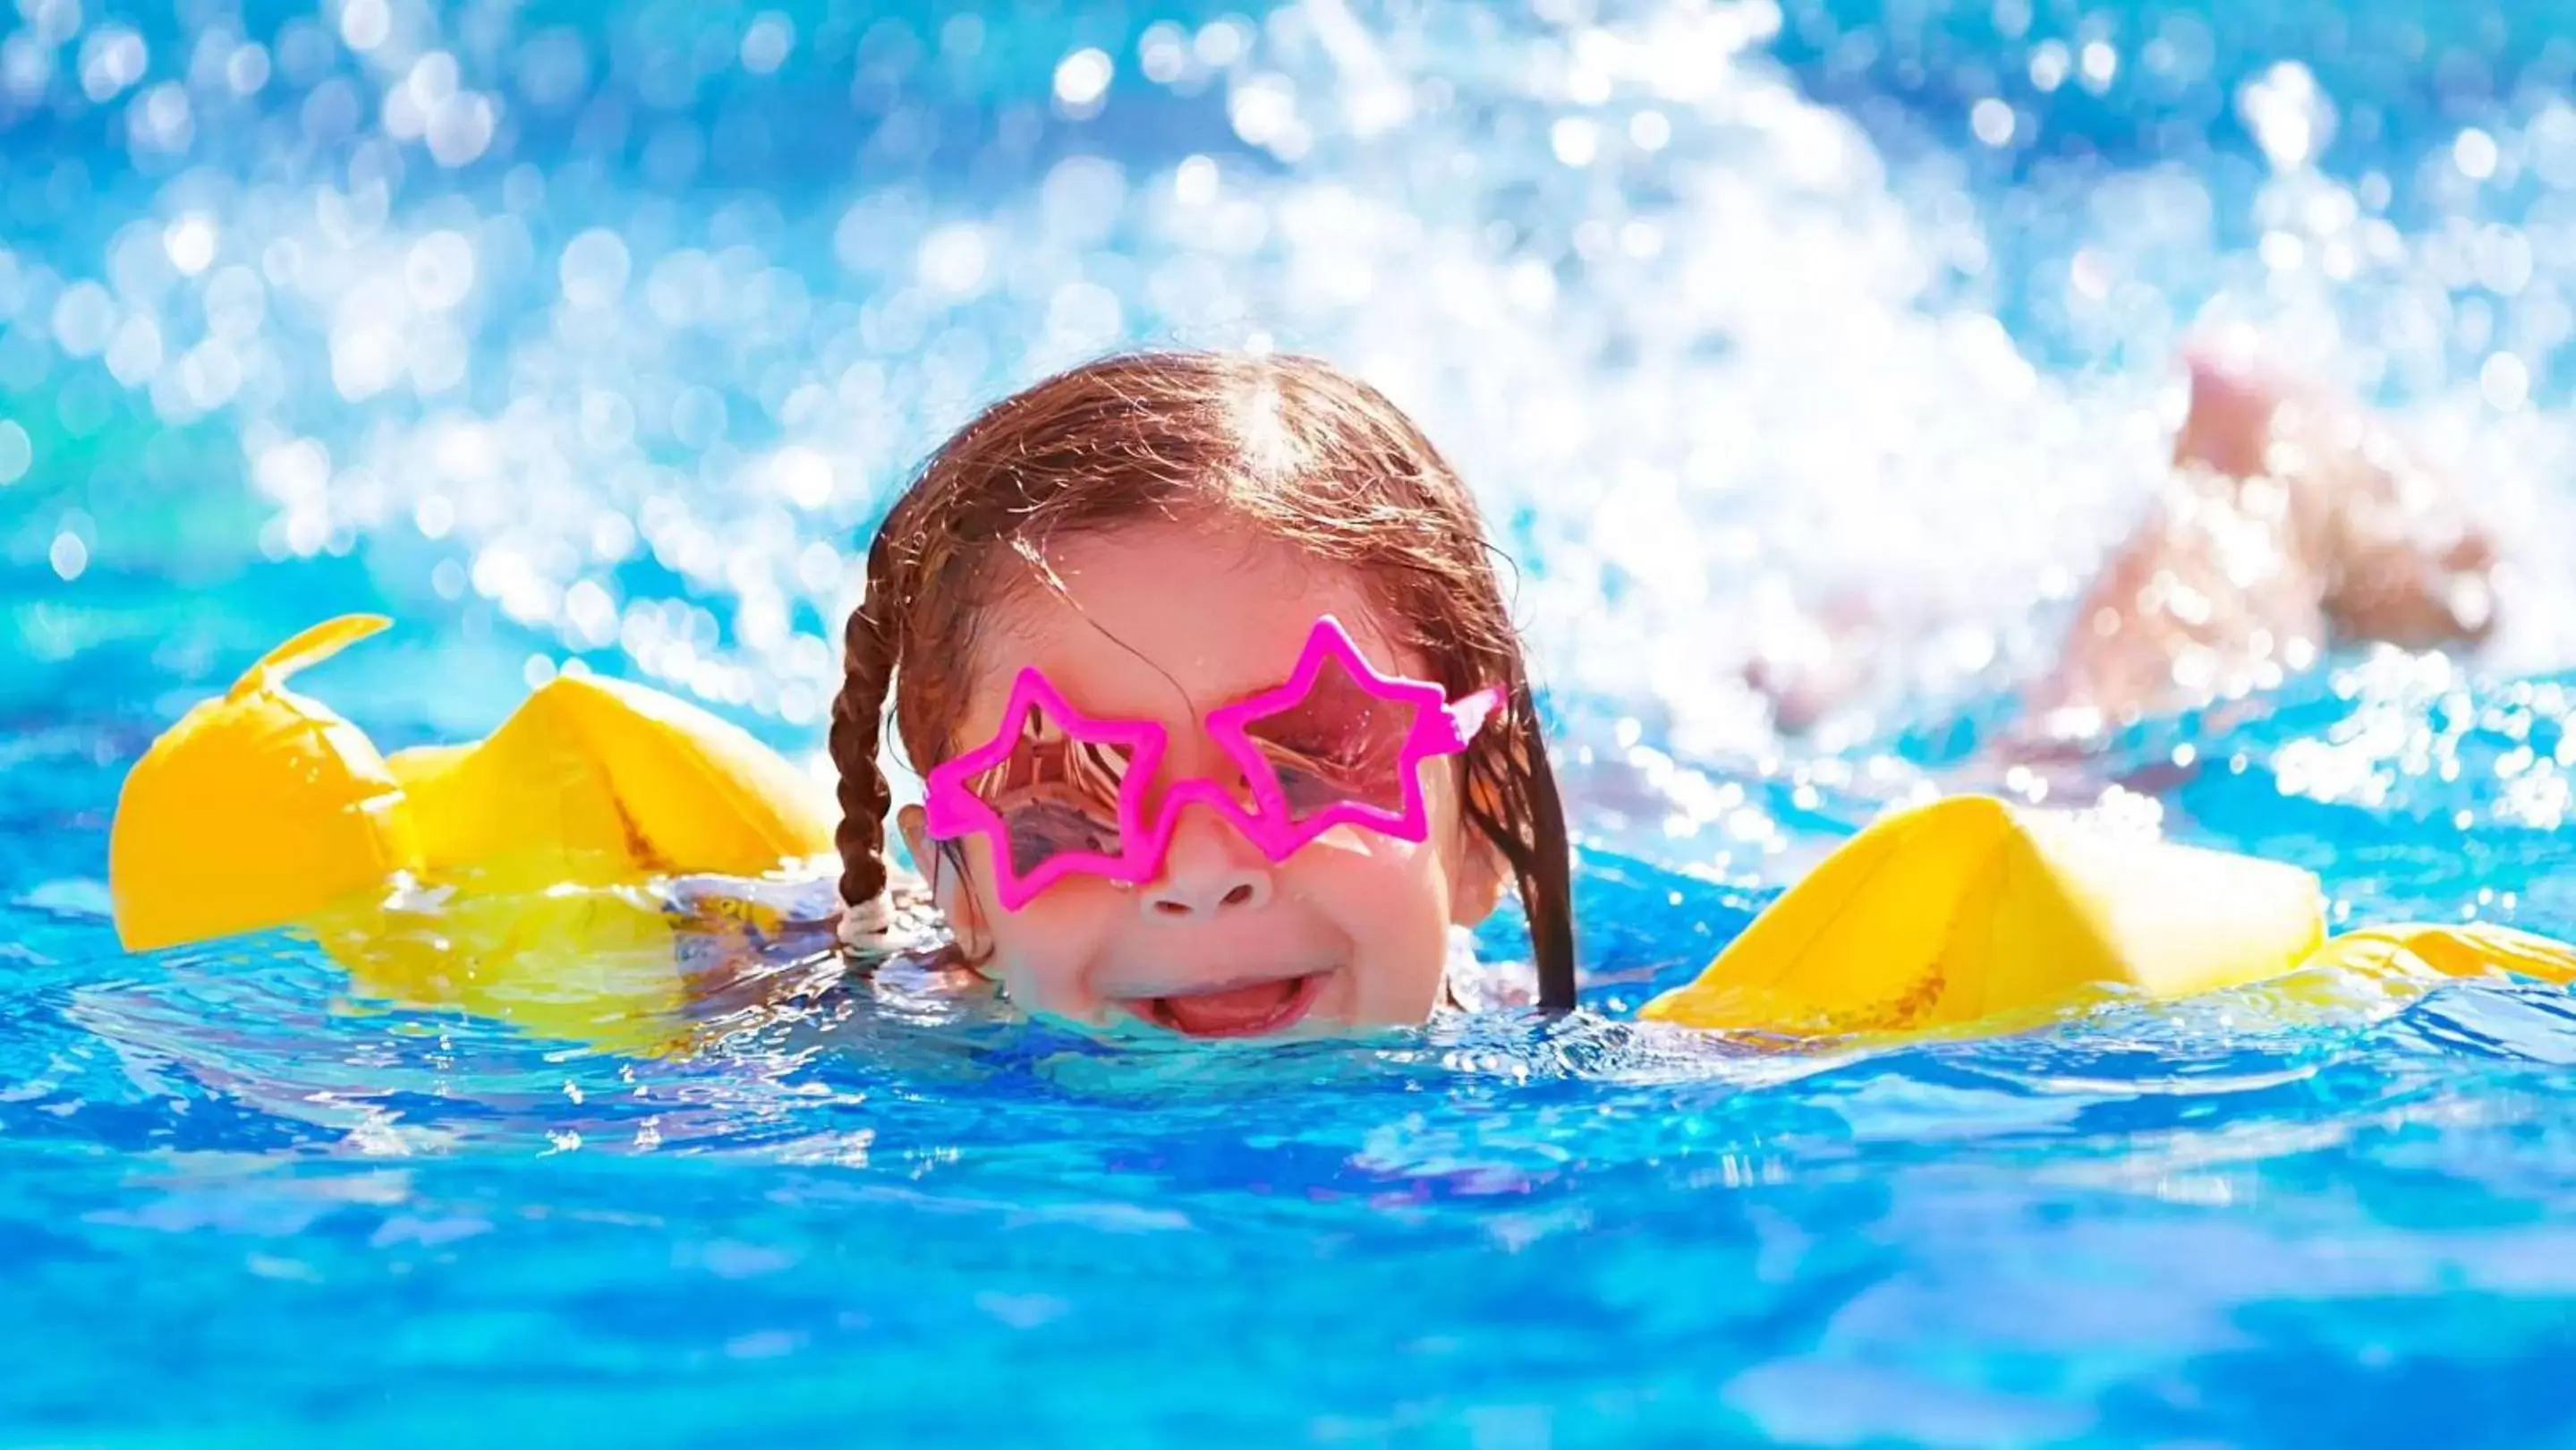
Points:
(1040, 987)
(1396, 914)
(1406, 996)
(1039, 959)
(1041, 993)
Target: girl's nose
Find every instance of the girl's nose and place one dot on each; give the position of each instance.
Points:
(1210, 870)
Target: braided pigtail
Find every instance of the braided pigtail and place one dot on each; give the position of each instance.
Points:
(858, 717)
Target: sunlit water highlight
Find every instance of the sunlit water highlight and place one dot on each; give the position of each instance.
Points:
(579, 336)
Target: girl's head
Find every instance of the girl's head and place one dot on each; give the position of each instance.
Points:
(1158, 535)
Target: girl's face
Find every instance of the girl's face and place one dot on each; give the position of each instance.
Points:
(1164, 621)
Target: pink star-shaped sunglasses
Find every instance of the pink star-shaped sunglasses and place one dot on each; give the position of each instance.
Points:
(1056, 792)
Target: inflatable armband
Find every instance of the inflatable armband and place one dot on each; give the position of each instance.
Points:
(597, 781)
(257, 808)
(2471, 949)
(620, 968)
(1971, 911)
(496, 876)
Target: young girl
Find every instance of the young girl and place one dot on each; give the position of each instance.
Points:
(1223, 721)
(1160, 540)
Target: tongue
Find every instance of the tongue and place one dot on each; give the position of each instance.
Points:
(1234, 1010)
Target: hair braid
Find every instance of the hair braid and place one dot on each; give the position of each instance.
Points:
(858, 715)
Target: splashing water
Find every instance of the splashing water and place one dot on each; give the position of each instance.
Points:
(1706, 351)
(599, 340)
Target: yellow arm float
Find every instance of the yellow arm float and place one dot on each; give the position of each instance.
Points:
(257, 808)
(1970, 911)
(597, 781)
(264, 808)
(2469, 949)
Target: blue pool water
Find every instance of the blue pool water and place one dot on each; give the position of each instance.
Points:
(570, 332)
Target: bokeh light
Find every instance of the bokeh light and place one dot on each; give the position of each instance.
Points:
(576, 326)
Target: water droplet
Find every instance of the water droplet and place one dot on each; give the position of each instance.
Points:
(594, 269)
(1082, 81)
(2474, 152)
(69, 556)
(190, 243)
(766, 42)
(365, 24)
(1992, 121)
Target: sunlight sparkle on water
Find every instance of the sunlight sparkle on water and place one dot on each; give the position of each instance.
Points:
(736, 385)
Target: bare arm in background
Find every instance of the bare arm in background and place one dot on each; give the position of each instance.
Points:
(2290, 522)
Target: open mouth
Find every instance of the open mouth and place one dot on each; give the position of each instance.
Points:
(1248, 1009)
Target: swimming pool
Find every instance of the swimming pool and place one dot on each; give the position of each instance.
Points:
(590, 340)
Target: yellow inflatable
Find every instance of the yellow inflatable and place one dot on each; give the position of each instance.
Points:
(506, 877)
(256, 809)
(1971, 913)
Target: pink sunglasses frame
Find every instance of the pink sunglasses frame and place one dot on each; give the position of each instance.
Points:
(1441, 727)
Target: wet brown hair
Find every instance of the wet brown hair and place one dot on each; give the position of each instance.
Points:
(1286, 446)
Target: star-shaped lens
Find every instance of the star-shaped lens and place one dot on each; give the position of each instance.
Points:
(1038, 790)
(1338, 742)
